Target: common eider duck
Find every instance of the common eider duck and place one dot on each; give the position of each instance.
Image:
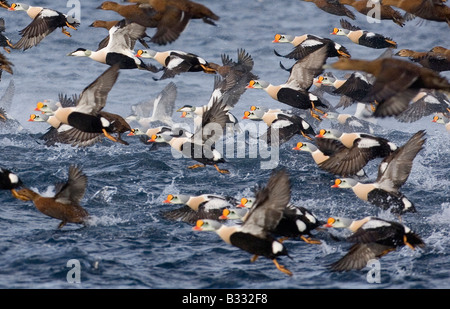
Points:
(108, 25)
(333, 7)
(373, 238)
(376, 10)
(434, 10)
(393, 172)
(120, 48)
(255, 234)
(176, 62)
(295, 91)
(364, 37)
(65, 205)
(204, 206)
(436, 61)
(169, 17)
(308, 43)
(396, 83)
(45, 21)
(87, 116)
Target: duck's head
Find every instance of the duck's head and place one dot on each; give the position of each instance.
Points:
(257, 84)
(404, 53)
(233, 214)
(330, 115)
(340, 31)
(135, 131)
(207, 225)
(329, 133)
(159, 138)
(38, 118)
(187, 115)
(80, 52)
(187, 108)
(326, 80)
(19, 7)
(338, 222)
(344, 183)
(254, 115)
(146, 53)
(176, 199)
(246, 203)
(438, 119)
(47, 106)
(283, 38)
(108, 5)
(301, 146)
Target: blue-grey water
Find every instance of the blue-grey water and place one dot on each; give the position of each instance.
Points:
(127, 243)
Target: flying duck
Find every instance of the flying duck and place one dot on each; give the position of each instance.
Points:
(108, 25)
(352, 89)
(9, 181)
(295, 91)
(65, 205)
(373, 238)
(169, 17)
(384, 12)
(297, 221)
(425, 103)
(363, 37)
(436, 61)
(333, 7)
(156, 111)
(204, 206)
(4, 40)
(287, 125)
(45, 21)
(200, 146)
(120, 48)
(87, 116)
(396, 83)
(176, 62)
(434, 10)
(255, 233)
(392, 174)
(333, 157)
(350, 123)
(377, 147)
(308, 43)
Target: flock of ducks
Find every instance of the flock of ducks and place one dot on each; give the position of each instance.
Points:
(385, 87)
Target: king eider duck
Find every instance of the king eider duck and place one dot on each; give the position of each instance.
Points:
(65, 205)
(396, 83)
(283, 124)
(373, 238)
(45, 21)
(363, 37)
(334, 157)
(200, 145)
(169, 17)
(442, 119)
(393, 172)
(308, 43)
(9, 181)
(204, 206)
(295, 91)
(176, 62)
(297, 221)
(255, 234)
(120, 48)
